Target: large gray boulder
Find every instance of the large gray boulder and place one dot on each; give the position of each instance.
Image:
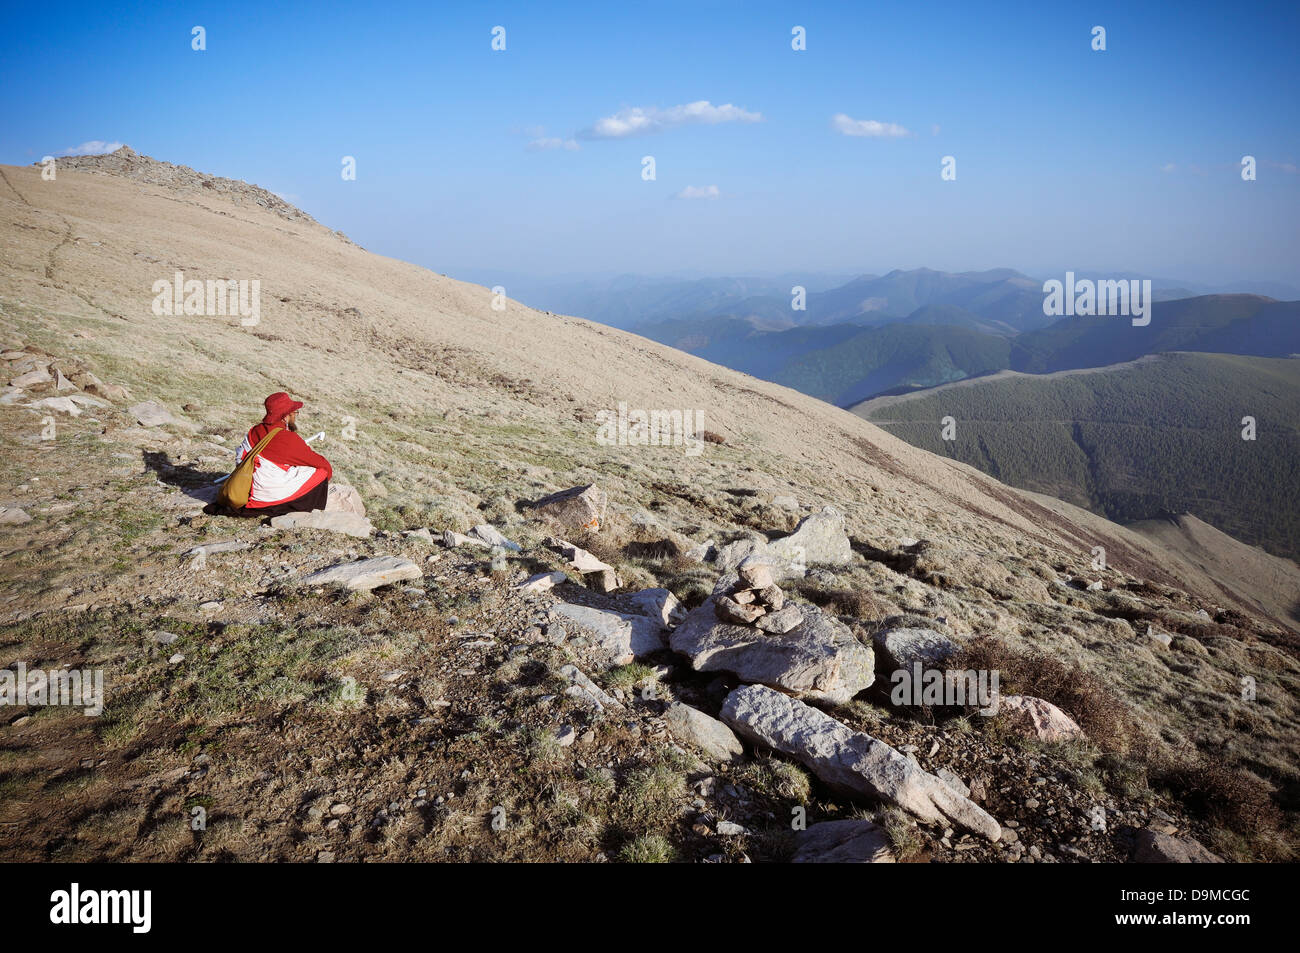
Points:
(1153, 847)
(842, 842)
(1037, 718)
(489, 534)
(659, 604)
(620, 637)
(899, 648)
(332, 521)
(152, 414)
(366, 573)
(754, 550)
(705, 732)
(577, 508)
(819, 659)
(819, 539)
(851, 762)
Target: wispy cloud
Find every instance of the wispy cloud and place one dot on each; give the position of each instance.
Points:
(848, 126)
(1290, 168)
(95, 147)
(640, 120)
(699, 192)
(1169, 167)
(553, 142)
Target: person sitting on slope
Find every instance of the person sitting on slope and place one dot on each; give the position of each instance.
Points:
(289, 476)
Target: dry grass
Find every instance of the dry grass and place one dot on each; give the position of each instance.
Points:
(1105, 719)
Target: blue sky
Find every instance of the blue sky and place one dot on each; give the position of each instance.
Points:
(1127, 160)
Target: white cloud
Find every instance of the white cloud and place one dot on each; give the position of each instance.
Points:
(699, 192)
(553, 142)
(1168, 167)
(638, 120)
(1290, 168)
(96, 147)
(848, 126)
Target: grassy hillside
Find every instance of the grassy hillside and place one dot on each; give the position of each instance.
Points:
(896, 355)
(1230, 324)
(1133, 444)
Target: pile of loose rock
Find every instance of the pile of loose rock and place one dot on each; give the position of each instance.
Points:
(757, 600)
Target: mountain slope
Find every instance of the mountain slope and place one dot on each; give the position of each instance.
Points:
(1136, 441)
(1231, 324)
(446, 412)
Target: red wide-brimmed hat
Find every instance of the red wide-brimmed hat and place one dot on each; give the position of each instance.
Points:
(279, 406)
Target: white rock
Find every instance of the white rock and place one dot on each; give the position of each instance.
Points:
(659, 604)
(64, 405)
(152, 414)
(900, 648)
(492, 536)
(620, 637)
(842, 842)
(580, 507)
(1037, 718)
(585, 690)
(332, 521)
(850, 761)
(818, 539)
(452, 539)
(541, 582)
(708, 734)
(366, 573)
(39, 376)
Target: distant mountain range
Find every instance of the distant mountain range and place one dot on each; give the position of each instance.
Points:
(1001, 300)
(847, 363)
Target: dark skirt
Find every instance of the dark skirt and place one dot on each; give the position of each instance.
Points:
(313, 499)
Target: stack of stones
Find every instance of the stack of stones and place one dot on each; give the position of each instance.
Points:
(757, 600)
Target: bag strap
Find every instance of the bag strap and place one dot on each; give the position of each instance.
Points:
(261, 444)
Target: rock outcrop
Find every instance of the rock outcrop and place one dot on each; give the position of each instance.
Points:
(819, 659)
(705, 732)
(578, 508)
(619, 637)
(1037, 718)
(819, 539)
(849, 761)
(366, 573)
(899, 648)
(1153, 847)
(842, 842)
